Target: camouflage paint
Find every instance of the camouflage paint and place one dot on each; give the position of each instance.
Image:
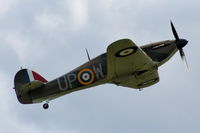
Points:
(160, 52)
(87, 75)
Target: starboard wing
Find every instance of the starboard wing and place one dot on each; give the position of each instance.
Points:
(125, 60)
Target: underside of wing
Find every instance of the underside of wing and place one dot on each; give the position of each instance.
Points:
(141, 80)
(128, 65)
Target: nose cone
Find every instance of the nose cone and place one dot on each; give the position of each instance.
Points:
(181, 43)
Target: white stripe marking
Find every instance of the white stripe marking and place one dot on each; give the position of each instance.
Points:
(30, 75)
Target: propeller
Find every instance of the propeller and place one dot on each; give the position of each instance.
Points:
(180, 43)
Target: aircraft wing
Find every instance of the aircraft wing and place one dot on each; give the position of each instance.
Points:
(125, 61)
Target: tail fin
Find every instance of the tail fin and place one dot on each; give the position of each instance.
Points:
(26, 77)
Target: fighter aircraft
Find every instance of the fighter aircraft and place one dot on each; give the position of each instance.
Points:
(124, 64)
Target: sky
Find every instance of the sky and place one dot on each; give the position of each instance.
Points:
(50, 37)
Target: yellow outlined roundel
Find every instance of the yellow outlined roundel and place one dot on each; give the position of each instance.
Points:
(126, 52)
(86, 76)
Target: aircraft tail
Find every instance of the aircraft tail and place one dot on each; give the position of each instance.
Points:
(26, 81)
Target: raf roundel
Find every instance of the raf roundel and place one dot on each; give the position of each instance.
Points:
(86, 76)
(126, 52)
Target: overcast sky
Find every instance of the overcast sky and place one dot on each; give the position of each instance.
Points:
(50, 37)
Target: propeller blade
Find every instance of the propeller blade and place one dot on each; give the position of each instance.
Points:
(183, 57)
(181, 53)
(186, 62)
(174, 32)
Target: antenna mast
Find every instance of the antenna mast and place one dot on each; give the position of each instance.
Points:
(87, 54)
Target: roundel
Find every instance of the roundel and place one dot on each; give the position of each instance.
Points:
(86, 76)
(126, 52)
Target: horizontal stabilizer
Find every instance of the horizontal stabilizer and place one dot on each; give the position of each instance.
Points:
(33, 85)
